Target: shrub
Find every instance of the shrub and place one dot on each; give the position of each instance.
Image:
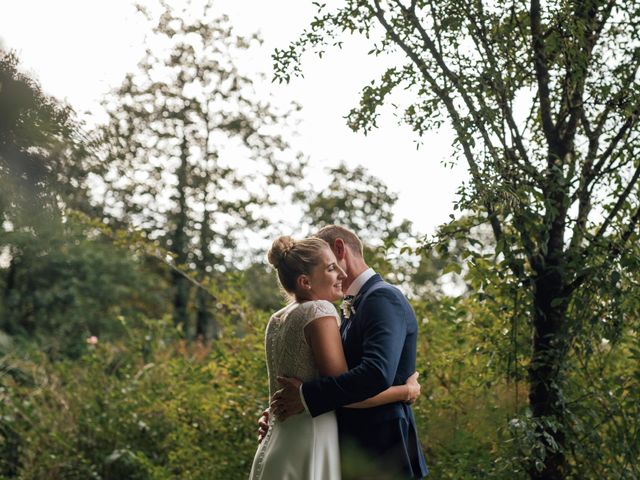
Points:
(149, 407)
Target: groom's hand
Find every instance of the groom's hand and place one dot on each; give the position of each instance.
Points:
(263, 425)
(286, 401)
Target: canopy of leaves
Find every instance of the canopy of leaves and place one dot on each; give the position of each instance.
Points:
(192, 146)
(43, 159)
(544, 99)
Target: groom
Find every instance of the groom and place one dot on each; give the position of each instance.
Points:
(378, 332)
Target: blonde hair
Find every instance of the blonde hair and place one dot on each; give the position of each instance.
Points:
(331, 233)
(292, 258)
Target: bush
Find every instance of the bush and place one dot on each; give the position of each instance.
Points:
(150, 407)
(68, 283)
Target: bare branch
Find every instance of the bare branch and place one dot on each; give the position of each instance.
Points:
(453, 77)
(437, 27)
(480, 38)
(622, 93)
(623, 198)
(604, 157)
(582, 193)
(572, 95)
(542, 75)
(458, 125)
(586, 124)
(614, 250)
(584, 208)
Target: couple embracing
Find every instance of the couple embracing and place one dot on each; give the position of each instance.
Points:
(341, 385)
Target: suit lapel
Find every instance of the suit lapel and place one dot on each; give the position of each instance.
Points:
(368, 284)
(347, 323)
(343, 324)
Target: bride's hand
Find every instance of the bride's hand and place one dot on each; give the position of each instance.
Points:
(413, 388)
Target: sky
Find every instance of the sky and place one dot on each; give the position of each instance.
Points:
(80, 49)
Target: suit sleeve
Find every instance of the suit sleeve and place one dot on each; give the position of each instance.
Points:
(383, 335)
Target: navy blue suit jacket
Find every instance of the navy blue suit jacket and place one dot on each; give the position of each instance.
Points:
(379, 343)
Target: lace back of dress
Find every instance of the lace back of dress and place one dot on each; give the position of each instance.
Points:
(287, 351)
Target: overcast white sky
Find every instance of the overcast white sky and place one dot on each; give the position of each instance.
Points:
(79, 49)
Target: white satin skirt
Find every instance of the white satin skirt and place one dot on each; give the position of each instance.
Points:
(300, 448)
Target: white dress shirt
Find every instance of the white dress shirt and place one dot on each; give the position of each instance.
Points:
(359, 282)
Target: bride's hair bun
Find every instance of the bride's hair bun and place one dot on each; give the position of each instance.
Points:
(292, 258)
(280, 248)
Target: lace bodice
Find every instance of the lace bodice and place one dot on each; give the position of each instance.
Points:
(288, 353)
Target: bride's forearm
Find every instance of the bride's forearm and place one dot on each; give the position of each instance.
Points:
(396, 393)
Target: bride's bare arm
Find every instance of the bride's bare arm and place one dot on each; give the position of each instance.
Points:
(323, 336)
(408, 393)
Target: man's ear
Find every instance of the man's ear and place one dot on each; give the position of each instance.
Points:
(339, 249)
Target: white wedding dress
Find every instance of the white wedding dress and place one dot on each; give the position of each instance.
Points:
(301, 447)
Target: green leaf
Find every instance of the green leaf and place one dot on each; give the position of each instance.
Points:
(556, 302)
(615, 277)
(452, 267)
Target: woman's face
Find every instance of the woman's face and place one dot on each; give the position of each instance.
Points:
(325, 280)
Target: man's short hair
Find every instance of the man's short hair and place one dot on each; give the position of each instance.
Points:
(331, 233)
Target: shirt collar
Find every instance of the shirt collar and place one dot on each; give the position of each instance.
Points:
(359, 281)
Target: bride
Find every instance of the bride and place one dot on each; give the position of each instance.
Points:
(302, 340)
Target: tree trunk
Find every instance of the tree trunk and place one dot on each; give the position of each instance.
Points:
(8, 322)
(545, 397)
(180, 301)
(207, 328)
(179, 246)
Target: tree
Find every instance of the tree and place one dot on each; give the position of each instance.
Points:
(196, 154)
(38, 164)
(544, 100)
(363, 203)
(62, 281)
(44, 161)
(357, 200)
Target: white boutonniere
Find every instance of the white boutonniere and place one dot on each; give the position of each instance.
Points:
(347, 306)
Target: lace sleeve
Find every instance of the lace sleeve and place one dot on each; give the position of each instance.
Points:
(318, 309)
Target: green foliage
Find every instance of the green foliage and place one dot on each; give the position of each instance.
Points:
(354, 199)
(61, 281)
(149, 406)
(462, 358)
(138, 401)
(63, 286)
(44, 163)
(176, 128)
(180, 122)
(543, 99)
(357, 200)
(259, 286)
